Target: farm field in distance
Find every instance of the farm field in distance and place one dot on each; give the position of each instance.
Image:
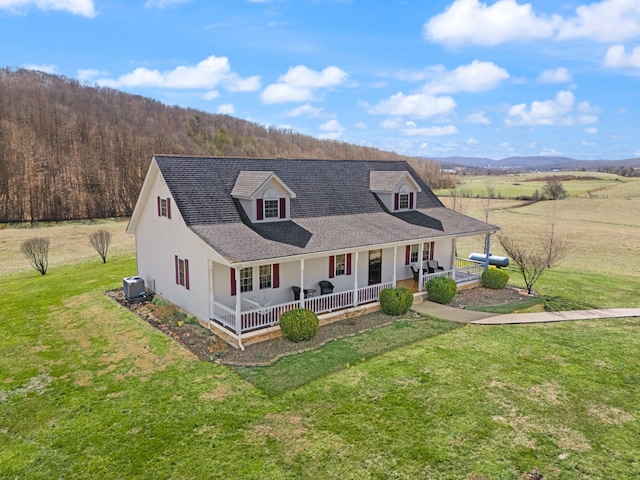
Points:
(88, 390)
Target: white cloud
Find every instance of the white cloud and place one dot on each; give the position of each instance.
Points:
(300, 83)
(211, 95)
(472, 141)
(471, 22)
(605, 21)
(584, 143)
(305, 109)
(226, 109)
(617, 57)
(557, 75)
(557, 112)
(479, 118)
(591, 130)
(418, 105)
(332, 130)
(77, 7)
(88, 75)
(41, 68)
(360, 125)
(210, 72)
(391, 123)
(164, 3)
(430, 131)
(475, 77)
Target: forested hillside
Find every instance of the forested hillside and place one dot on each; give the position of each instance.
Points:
(71, 151)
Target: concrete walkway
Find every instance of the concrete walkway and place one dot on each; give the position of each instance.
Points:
(482, 318)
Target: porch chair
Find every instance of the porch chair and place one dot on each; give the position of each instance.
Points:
(326, 287)
(415, 272)
(296, 293)
(433, 266)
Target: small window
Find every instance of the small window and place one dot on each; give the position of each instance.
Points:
(414, 253)
(182, 272)
(271, 209)
(265, 276)
(163, 207)
(341, 264)
(426, 253)
(403, 201)
(246, 279)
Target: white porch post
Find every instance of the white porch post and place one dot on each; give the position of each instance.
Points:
(453, 258)
(487, 250)
(211, 292)
(238, 304)
(420, 262)
(302, 283)
(355, 281)
(395, 265)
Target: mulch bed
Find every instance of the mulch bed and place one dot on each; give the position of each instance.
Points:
(208, 347)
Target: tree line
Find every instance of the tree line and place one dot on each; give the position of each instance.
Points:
(71, 151)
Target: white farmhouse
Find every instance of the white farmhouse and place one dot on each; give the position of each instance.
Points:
(238, 241)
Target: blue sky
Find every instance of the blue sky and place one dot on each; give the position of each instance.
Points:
(425, 78)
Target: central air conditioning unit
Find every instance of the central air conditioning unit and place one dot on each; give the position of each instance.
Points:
(133, 288)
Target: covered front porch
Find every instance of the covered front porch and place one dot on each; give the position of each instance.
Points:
(256, 311)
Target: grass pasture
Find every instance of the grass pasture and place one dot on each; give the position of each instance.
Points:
(577, 184)
(88, 390)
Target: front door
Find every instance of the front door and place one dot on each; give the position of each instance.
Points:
(375, 267)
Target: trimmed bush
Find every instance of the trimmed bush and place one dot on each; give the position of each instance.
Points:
(299, 325)
(396, 301)
(441, 290)
(494, 278)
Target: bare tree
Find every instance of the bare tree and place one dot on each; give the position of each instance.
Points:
(100, 239)
(36, 250)
(533, 259)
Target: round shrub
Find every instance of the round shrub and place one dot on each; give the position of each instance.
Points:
(396, 301)
(299, 325)
(494, 278)
(441, 289)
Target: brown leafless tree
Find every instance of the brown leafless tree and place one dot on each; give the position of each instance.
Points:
(533, 258)
(100, 240)
(36, 250)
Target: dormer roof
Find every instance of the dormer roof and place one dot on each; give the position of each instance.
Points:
(381, 181)
(249, 182)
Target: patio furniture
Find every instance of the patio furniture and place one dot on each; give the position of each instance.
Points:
(415, 272)
(326, 287)
(433, 266)
(296, 293)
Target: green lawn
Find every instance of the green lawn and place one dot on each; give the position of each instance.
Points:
(87, 390)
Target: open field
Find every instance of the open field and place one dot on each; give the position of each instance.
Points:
(577, 184)
(88, 390)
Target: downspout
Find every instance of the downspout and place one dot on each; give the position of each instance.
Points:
(302, 305)
(420, 267)
(395, 266)
(238, 310)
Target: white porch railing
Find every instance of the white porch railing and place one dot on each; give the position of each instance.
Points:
(468, 269)
(268, 316)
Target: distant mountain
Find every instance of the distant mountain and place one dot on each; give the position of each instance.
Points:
(536, 163)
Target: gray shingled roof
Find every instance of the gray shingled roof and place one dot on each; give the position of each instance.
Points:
(334, 208)
(382, 181)
(248, 182)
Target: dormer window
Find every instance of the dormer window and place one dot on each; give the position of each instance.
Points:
(396, 189)
(263, 196)
(271, 204)
(404, 199)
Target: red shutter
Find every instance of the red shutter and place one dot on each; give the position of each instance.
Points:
(168, 208)
(186, 274)
(259, 209)
(407, 255)
(159, 208)
(233, 281)
(431, 248)
(283, 208)
(411, 200)
(332, 266)
(177, 262)
(348, 264)
(275, 270)
(396, 201)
